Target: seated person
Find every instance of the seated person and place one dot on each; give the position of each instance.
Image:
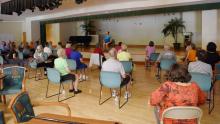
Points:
(166, 54)
(212, 55)
(107, 40)
(124, 55)
(200, 66)
(113, 65)
(77, 56)
(27, 51)
(149, 49)
(68, 50)
(13, 57)
(177, 91)
(61, 65)
(98, 50)
(47, 49)
(118, 47)
(191, 55)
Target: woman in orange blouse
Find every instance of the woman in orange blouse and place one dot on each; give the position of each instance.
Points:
(177, 91)
(191, 55)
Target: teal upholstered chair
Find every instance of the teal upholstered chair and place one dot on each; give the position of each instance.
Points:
(128, 66)
(205, 83)
(217, 72)
(165, 65)
(153, 58)
(22, 108)
(71, 64)
(14, 81)
(2, 119)
(111, 80)
(20, 55)
(1, 60)
(54, 77)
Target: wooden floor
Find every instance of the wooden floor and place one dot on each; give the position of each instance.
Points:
(136, 111)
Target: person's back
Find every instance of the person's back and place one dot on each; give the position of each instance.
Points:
(112, 65)
(60, 65)
(191, 55)
(212, 58)
(173, 94)
(149, 50)
(124, 56)
(167, 55)
(76, 55)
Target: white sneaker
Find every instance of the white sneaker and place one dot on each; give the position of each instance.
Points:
(114, 93)
(127, 95)
(84, 77)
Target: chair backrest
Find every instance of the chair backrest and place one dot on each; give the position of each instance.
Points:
(20, 55)
(1, 60)
(203, 80)
(110, 79)
(2, 119)
(71, 64)
(21, 107)
(217, 71)
(127, 66)
(53, 75)
(154, 56)
(165, 64)
(15, 75)
(182, 112)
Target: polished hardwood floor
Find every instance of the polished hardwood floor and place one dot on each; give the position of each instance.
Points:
(136, 111)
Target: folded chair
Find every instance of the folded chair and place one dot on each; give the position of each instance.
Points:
(207, 85)
(22, 108)
(111, 80)
(182, 112)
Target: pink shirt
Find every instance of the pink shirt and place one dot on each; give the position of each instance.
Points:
(149, 50)
(68, 52)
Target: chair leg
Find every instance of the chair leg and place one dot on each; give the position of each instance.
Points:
(100, 97)
(211, 101)
(60, 93)
(120, 106)
(48, 91)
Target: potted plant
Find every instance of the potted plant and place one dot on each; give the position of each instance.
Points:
(87, 27)
(174, 27)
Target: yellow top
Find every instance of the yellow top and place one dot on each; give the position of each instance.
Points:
(124, 56)
(191, 55)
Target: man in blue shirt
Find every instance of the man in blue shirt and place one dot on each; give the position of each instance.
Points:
(107, 40)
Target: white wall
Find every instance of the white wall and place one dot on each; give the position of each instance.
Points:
(139, 30)
(12, 30)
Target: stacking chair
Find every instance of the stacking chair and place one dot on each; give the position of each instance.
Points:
(14, 80)
(217, 72)
(2, 119)
(165, 64)
(128, 67)
(71, 64)
(182, 112)
(111, 80)
(205, 83)
(54, 76)
(152, 59)
(22, 108)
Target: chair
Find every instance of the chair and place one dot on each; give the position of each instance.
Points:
(37, 70)
(182, 112)
(111, 80)
(205, 83)
(22, 108)
(128, 66)
(54, 76)
(71, 64)
(165, 64)
(14, 81)
(2, 119)
(153, 58)
(217, 72)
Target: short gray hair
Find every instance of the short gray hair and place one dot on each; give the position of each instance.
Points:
(112, 52)
(61, 52)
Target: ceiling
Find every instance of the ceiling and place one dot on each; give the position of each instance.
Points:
(86, 7)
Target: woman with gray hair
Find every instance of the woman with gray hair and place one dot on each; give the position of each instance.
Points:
(61, 65)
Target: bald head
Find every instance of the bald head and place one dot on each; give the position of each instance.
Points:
(166, 47)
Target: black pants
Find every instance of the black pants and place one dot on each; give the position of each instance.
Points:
(68, 77)
(125, 80)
